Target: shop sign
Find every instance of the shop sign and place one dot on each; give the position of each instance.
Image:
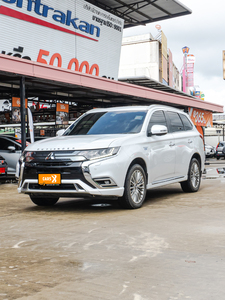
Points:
(71, 34)
(62, 113)
(16, 117)
(201, 117)
(185, 50)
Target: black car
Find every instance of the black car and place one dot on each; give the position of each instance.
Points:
(3, 168)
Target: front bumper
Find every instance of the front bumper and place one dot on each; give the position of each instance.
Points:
(78, 179)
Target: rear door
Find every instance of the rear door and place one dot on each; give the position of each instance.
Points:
(184, 138)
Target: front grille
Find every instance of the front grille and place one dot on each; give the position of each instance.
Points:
(49, 157)
(73, 171)
(51, 164)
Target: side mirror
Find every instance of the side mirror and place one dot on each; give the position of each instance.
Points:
(158, 130)
(11, 148)
(60, 132)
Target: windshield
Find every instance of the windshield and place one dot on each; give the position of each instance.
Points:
(108, 123)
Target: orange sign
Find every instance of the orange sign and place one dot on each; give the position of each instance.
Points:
(42, 132)
(200, 117)
(16, 102)
(62, 107)
(44, 179)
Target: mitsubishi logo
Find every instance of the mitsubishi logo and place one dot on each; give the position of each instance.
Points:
(50, 156)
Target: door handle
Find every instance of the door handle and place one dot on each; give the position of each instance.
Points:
(171, 144)
(190, 141)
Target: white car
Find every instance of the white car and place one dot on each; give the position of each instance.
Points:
(10, 149)
(209, 151)
(115, 152)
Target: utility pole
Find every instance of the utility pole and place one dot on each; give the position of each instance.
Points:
(23, 112)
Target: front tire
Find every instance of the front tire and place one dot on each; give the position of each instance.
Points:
(192, 184)
(135, 188)
(40, 201)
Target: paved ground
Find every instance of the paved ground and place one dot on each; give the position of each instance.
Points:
(171, 248)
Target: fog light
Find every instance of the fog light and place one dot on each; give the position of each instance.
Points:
(105, 182)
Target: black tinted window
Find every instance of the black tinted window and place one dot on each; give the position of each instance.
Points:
(186, 122)
(5, 143)
(175, 122)
(157, 118)
(221, 144)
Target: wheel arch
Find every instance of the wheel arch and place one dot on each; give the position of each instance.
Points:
(198, 157)
(139, 161)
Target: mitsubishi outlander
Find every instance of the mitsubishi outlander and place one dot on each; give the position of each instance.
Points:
(114, 152)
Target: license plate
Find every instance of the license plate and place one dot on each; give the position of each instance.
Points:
(46, 179)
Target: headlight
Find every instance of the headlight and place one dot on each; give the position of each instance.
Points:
(21, 159)
(98, 153)
(26, 156)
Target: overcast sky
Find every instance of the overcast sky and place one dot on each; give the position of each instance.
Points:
(204, 33)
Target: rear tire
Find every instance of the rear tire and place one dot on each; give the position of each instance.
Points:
(192, 184)
(134, 189)
(40, 201)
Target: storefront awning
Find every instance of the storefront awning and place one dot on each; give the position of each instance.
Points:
(53, 83)
(143, 12)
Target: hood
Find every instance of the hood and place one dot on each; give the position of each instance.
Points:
(79, 142)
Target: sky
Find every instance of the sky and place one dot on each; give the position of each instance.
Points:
(204, 33)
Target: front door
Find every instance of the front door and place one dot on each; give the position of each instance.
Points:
(162, 152)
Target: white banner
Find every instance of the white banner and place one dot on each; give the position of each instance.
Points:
(71, 34)
(31, 125)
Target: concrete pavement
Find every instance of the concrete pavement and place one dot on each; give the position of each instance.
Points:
(171, 248)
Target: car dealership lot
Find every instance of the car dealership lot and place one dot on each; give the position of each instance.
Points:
(171, 248)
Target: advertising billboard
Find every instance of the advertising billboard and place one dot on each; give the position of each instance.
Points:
(201, 117)
(71, 34)
(164, 59)
(62, 113)
(16, 117)
(190, 70)
(170, 68)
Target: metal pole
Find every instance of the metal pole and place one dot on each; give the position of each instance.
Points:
(23, 112)
(185, 72)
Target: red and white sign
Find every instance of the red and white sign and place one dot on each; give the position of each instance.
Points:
(190, 58)
(71, 34)
(190, 70)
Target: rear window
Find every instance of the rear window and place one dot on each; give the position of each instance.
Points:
(221, 144)
(175, 121)
(186, 122)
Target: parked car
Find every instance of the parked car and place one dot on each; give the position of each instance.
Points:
(220, 150)
(209, 151)
(3, 168)
(10, 149)
(115, 152)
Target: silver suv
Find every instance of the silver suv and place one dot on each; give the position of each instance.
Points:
(220, 150)
(115, 152)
